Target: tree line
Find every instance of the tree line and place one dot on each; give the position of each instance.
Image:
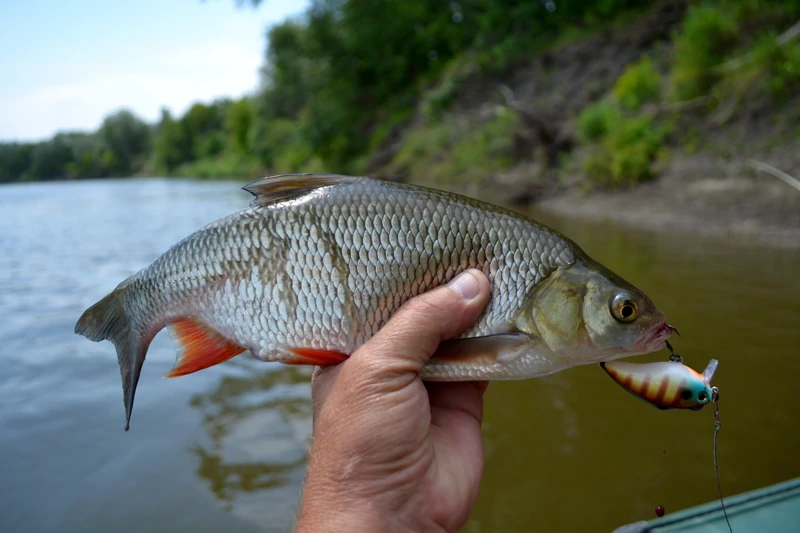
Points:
(126, 145)
(332, 80)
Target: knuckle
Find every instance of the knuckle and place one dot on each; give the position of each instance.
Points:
(426, 304)
(380, 373)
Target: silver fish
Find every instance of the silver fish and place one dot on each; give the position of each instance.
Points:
(319, 263)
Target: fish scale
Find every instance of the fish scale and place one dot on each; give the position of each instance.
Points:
(347, 267)
(322, 263)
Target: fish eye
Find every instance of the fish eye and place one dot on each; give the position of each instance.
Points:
(686, 394)
(624, 307)
(702, 396)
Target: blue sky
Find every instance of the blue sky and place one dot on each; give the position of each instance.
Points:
(65, 64)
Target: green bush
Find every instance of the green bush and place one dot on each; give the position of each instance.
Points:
(597, 120)
(785, 74)
(709, 33)
(640, 83)
(450, 151)
(626, 155)
(767, 68)
(754, 11)
(280, 145)
(386, 126)
(778, 66)
(226, 166)
(440, 99)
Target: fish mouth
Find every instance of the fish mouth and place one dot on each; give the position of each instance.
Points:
(656, 340)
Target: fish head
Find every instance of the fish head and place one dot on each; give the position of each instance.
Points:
(585, 313)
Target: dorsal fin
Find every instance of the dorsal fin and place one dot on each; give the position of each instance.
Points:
(274, 189)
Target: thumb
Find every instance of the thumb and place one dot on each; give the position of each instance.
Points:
(411, 336)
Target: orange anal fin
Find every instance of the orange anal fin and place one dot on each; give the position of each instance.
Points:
(311, 356)
(200, 347)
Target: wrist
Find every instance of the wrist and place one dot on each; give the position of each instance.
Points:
(329, 508)
(330, 519)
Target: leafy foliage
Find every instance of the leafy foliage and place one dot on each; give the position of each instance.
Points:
(785, 72)
(348, 66)
(709, 33)
(340, 82)
(775, 68)
(466, 151)
(626, 155)
(127, 140)
(15, 161)
(639, 84)
(597, 120)
(119, 148)
(173, 145)
(722, 41)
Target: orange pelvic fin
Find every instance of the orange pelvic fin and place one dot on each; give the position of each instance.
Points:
(311, 356)
(200, 347)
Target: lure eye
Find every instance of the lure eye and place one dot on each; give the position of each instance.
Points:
(702, 396)
(624, 307)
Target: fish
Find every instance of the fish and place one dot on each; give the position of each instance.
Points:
(318, 263)
(665, 385)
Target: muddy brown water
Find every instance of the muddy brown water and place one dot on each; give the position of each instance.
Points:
(225, 449)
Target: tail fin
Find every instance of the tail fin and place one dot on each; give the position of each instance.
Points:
(106, 320)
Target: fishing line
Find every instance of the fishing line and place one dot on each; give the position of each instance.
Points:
(717, 425)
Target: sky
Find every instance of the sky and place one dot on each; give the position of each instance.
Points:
(66, 64)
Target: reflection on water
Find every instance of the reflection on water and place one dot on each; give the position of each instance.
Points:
(224, 449)
(259, 429)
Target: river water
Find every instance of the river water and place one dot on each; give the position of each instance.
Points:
(225, 449)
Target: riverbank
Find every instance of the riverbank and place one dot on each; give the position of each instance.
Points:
(645, 114)
(618, 126)
(700, 195)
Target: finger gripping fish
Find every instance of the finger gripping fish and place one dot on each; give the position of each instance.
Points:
(317, 264)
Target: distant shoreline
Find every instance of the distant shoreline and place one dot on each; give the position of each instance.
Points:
(741, 207)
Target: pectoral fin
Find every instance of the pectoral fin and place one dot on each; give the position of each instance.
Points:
(503, 348)
(503, 356)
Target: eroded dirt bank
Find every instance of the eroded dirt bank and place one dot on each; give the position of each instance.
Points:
(705, 183)
(701, 195)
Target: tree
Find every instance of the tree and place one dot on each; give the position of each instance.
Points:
(173, 145)
(88, 156)
(50, 158)
(204, 126)
(15, 160)
(240, 122)
(127, 138)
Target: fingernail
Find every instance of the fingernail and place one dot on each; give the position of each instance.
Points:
(465, 285)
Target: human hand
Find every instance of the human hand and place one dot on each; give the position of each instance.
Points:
(391, 453)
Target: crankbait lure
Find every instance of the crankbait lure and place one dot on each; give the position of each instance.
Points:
(672, 385)
(666, 385)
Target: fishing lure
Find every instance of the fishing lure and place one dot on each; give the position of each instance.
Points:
(672, 385)
(666, 385)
